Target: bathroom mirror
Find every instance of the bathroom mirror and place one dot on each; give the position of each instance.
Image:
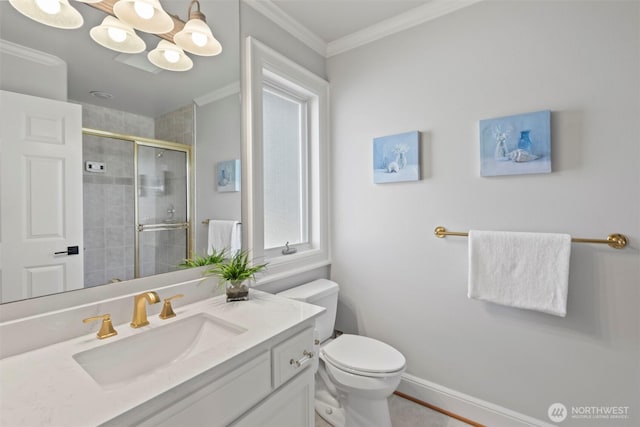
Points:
(111, 86)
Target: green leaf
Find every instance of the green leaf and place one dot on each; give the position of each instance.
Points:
(236, 269)
(215, 258)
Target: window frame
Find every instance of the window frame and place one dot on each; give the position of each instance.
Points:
(265, 64)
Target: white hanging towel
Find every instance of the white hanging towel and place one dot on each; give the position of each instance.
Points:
(523, 270)
(224, 234)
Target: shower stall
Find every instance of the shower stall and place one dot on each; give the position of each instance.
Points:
(137, 205)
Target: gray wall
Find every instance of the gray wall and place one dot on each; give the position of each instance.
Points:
(217, 125)
(32, 72)
(402, 285)
(254, 24)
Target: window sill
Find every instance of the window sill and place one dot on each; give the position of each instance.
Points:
(274, 276)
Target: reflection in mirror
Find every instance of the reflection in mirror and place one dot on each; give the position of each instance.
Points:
(129, 233)
(123, 94)
(162, 214)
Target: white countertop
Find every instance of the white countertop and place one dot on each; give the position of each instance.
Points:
(47, 387)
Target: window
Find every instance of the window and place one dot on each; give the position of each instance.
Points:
(284, 125)
(285, 158)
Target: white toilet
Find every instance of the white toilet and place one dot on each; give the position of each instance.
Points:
(355, 375)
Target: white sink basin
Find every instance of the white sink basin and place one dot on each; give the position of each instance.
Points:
(139, 355)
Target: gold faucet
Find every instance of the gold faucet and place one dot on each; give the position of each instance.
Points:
(106, 329)
(140, 308)
(167, 310)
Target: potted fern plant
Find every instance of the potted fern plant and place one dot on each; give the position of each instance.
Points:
(236, 273)
(216, 257)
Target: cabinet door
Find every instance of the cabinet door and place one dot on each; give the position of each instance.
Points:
(220, 402)
(290, 406)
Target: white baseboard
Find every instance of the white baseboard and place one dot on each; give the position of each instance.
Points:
(466, 406)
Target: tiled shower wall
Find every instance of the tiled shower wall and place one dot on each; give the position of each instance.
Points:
(109, 222)
(176, 126)
(108, 212)
(110, 120)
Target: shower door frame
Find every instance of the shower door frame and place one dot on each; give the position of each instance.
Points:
(155, 143)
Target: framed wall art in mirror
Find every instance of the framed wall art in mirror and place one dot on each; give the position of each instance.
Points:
(228, 175)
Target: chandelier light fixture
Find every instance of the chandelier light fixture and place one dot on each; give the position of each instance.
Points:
(170, 57)
(144, 15)
(196, 36)
(116, 35)
(117, 30)
(54, 13)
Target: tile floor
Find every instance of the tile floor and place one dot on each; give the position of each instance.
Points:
(405, 413)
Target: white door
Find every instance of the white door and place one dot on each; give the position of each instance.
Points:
(40, 196)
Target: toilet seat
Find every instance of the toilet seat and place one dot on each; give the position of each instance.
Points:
(363, 356)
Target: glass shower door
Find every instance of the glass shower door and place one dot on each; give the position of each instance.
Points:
(161, 209)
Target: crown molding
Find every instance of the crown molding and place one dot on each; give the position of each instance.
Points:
(218, 94)
(28, 54)
(411, 18)
(289, 24)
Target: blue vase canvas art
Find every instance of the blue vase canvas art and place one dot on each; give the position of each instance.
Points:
(396, 158)
(515, 145)
(228, 175)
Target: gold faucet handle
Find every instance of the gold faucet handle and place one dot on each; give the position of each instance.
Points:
(167, 310)
(106, 329)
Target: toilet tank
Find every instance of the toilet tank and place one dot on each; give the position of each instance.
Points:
(321, 292)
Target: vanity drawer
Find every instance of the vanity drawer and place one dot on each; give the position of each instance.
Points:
(292, 356)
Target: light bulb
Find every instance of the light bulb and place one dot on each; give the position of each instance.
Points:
(117, 34)
(49, 6)
(171, 56)
(199, 39)
(143, 9)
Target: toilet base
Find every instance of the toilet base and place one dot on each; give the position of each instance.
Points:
(354, 412)
(362, 412)
(331, 414)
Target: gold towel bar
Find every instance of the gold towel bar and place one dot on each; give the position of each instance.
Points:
(616, 241)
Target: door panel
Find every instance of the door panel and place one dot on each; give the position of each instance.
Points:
(44, 183)
(40, 195)
(43, 128)
(45, 280)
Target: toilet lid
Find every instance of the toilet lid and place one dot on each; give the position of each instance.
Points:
(355, 353)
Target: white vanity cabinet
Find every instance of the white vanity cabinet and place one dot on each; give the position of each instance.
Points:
(271, 388)
(261, 375)
(290, 406)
